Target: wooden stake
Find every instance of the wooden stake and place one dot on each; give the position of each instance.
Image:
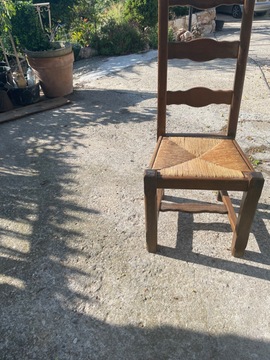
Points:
(23, 81)
(4, 52)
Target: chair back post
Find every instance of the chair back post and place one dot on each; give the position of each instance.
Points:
(163, 18)
(163, 54)
(245, 35)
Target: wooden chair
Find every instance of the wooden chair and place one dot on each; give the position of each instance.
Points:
(202, 161)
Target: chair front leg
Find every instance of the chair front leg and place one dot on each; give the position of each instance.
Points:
(246, 214)
(151, 209)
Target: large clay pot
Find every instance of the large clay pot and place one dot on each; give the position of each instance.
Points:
(54, 69)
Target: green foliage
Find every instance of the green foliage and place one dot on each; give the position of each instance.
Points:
(152, 36)
(87, 17)
(171, 35)
(6, 12)
(82, 32)
(113, 27)
(26, 28)
(61, 10)
(142, 12)
(118, 39)
(255, 162)
(115, 12)
(178, 11)
(90, 10)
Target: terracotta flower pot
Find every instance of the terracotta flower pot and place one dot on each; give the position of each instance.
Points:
(54, 69)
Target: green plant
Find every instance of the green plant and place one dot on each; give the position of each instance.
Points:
(171, 37)
(152, 36)
(118, 39)
(26, 28)
(82, 31)
(61, 10)
(115, 11)
(255, 162)
(142, 12)
(178, 11)
(6, 11)
(87, 18)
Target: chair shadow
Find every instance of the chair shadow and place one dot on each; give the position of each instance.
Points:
(184, 244)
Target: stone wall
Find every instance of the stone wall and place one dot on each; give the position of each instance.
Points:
(203, 23)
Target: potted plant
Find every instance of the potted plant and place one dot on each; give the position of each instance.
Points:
(7, 10)
(51, 61)
(13, 86)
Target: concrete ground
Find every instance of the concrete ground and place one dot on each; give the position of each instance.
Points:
(76, 279)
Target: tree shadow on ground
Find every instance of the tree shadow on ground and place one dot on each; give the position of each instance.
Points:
(105, 107)
(90, 338)
(37, 177)
(42, 315)
(43, 222)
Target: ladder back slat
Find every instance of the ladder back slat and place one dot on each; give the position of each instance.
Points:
(207, 4)
(196, 50)
(199, 97)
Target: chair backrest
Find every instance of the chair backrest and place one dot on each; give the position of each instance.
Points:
(201, 50)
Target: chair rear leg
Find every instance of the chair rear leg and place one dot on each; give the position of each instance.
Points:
(151, 209)
(246, 214)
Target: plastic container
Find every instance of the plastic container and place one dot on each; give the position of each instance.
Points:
(31, 77)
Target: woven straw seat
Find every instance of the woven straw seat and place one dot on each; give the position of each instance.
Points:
(200, 157)
(202, 161)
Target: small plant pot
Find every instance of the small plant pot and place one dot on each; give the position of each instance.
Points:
(25, 96)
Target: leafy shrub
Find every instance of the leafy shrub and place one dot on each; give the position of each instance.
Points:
(152, 37)
(178, 11)
(87, 17)
(61, 10)
(115, 11)
(141, 12)
(82, 31)
(26, 28)
(7, 11)
(171, 35)
(118, 39)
